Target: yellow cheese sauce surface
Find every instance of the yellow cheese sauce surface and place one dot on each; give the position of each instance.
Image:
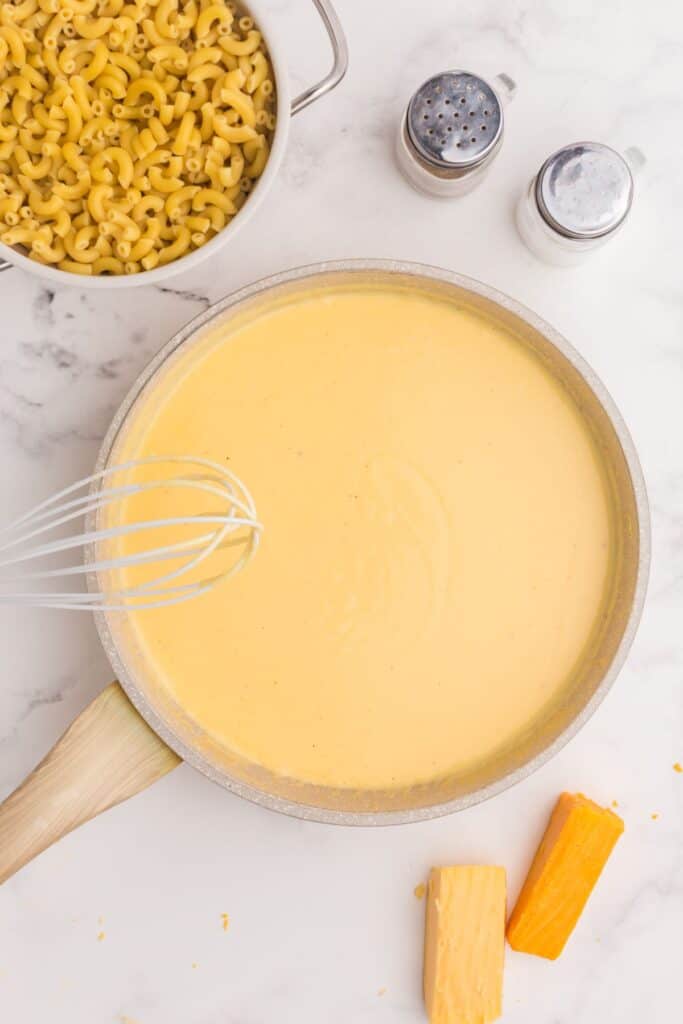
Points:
(437, 547)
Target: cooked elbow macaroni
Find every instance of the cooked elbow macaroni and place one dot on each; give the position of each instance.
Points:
(130, 132)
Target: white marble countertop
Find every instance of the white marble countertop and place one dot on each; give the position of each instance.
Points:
(324, 923)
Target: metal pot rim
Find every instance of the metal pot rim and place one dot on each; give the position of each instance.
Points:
(404, 816)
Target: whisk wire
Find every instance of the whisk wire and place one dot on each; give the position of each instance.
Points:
(236, 525)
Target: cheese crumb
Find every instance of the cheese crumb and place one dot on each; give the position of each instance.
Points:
(225, 921)
(420, 891)
(678, 767)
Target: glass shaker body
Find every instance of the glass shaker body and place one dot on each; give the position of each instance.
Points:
(451, 131)
(579, 200)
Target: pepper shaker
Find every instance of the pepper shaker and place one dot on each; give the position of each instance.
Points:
(451, 131)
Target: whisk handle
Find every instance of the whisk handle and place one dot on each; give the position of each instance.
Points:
(107, 754)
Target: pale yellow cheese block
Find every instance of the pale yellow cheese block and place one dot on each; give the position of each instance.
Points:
(437, 548)
(465, 944)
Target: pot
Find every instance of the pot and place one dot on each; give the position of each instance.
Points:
(10, 257)
(129, 736)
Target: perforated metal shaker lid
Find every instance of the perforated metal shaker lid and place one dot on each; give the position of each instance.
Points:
(455, 120)
(584, 190)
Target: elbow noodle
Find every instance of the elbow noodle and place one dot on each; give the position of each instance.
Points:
(92, 28)
(79, 6)
(238, 47)
(75, 268)
(152, 229)
(98, 63)
(233, 133)
(150, 261)
(182, 139)
(130, 132)
(62, 224)
(10, 204)
(15, 44)
(97, 195)
(212, 197)
(200, 95)
(47, 253)
(144, 144)
(217, 218)
(21, 11)
(176, 248)
(180, 104)
(152, 33)
(32, 144)
(162, 183)
(207, 55)
(201, 72)
(37, 170)
(141, 248)
(85, 236)
(129, 231)
(174, 166)
(147, 205)
(159, 156)
(79, 89)
(33, 76)
(112, 84)
(74, 118)
(44, 207)
(79, 189)
(107, 265)
(158, 131)
(169, 53)
(176, 199)
(18, 85)
(79, 255)
(242, 103)
(127, 64)
(73, 158)
(198, 224)
(57, 96)
(214, 13)
(146, 85)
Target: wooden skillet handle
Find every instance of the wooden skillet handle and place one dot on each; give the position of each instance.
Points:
(107, 754)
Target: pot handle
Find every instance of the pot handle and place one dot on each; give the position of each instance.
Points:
(107, 754)
(340, 53)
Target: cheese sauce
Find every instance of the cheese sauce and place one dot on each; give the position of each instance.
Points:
(437, 546)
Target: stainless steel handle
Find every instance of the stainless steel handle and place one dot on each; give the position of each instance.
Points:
(340, 53)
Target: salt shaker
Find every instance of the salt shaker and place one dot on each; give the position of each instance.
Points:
(451, 132)
(580, 198)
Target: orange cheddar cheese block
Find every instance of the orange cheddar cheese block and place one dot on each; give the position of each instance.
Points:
(465, 945)
(578, 840)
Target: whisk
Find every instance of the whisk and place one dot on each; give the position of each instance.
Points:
(233, 525)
